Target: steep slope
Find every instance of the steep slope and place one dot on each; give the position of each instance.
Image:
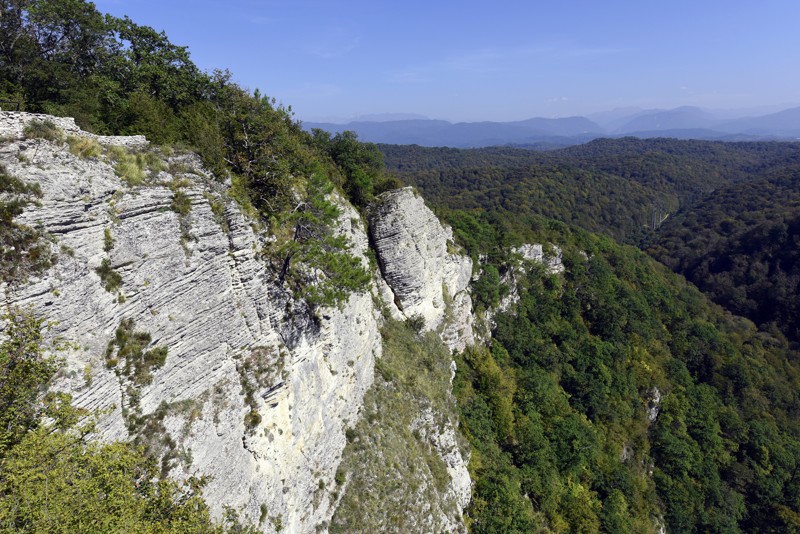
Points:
(405, 465)
(179, 330)
(740, 246)
(414, 253)
(200, 291)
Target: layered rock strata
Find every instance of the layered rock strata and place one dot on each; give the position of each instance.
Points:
(417, 257)
(255, 392)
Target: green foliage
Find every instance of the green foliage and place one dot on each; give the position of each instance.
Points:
(556, 410)
(314, 260)
(23, 373)
(393, 476)
(362, 163)
(110, 278)
(22, 249)
(261, 144)
(117, 77)
(56, 482)
(740, 247)
(134, 167)
(181, 203)
(587, 350)
(260, 369)
(52, 479)
(129, 345)
(613, 186)
(108, 240)
(486, 289)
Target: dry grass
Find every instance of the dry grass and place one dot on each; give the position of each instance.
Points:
(84, 147)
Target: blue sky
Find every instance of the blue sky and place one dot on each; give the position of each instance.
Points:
(501, 60)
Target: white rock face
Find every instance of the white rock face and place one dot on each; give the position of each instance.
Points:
(201, 291)
(255, 393)
(527, 253)
(427, 280)
(412, 248)
(12, 124)
(653, 404)
(535, 252)
(443, 436)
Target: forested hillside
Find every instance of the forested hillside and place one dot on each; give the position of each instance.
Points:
(622, 187)
(741, 246)
(616, 396)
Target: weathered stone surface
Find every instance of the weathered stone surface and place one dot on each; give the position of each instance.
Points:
(197, 284)
(443, 435)
(208, 298)
(12, 124)
(412, 249)
(535, 252)
(526, 253)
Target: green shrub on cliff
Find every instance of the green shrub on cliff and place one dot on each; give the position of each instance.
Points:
(53, 479)
(22, 248)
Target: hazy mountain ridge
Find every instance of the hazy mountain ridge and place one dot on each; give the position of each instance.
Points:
(685, 122)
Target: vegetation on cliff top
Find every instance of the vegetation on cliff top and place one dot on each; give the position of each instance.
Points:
(117, 77)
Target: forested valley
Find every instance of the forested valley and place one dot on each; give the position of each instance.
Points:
(722, 214)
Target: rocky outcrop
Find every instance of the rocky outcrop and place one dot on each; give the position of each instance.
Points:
(526, 253)
(536, 253)
(445, 440)
(12, 125)
(426, 278)
(418, 262)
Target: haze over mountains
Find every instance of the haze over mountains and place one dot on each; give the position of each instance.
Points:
(683, 123)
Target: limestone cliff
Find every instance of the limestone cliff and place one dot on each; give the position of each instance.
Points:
(255, 391)
(423, 274)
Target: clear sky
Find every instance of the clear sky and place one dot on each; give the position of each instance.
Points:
(502, 60)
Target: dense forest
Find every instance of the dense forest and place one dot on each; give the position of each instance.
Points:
(621, 187)
(616, 396)
(741, 246)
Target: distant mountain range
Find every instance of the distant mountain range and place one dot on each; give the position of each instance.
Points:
(682, 123)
